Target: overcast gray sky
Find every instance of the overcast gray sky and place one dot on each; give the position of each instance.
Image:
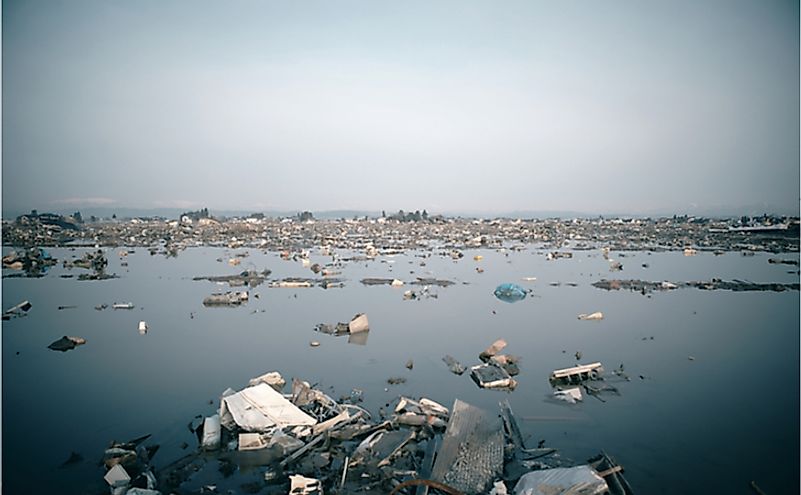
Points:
(628, 106)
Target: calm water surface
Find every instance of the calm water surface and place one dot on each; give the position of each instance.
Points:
(708, 425)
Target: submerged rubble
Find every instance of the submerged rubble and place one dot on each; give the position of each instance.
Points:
(306, 442)
(17, 311)
(357, 325)
(66, 343)
(230, 298)
(32, 262)
(646, 287)
(245, 278)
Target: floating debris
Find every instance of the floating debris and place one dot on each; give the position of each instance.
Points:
(245, 278)
(510, 293)
(453, 365)
(226, 299)
(491, 376)
(17, 311)
(645, 287)
(66, 343)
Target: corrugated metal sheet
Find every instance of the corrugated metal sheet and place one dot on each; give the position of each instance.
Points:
(471, 457)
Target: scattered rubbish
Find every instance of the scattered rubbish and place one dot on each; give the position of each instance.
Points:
(358, 324)
(66, 343)
(143, 327)
(432, 281)
(493, 349)
(314, 343)
(20, 309)
(129, 470)
(422, 445)
(592, 316)
(409, 364)
(226, 299)
(612, 473)
(782, 261)
(291, 284)
(95, 261)
(499, 488)
(491, 376)
(357, 329)
(506, 362)
(381, 281)
(645, 287)
(570, 395)
(34, 262)
(117, 477)
(529, 279)
(67, 307)
(510, 293)
(212, 433)
(453, 365)
(300, 485)
(273, 379)
(577, 374)
(396, 380)
(142, 491)
(690, 251)
(122, 306)
(555, 255)
(615, 266)
(251, 441)
(250, 278)
(260, 408)
(424, 293)
(579, 480)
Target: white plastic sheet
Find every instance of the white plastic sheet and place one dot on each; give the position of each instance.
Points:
(576, 480)
(261, 408)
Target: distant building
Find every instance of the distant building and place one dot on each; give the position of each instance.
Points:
(47, 219)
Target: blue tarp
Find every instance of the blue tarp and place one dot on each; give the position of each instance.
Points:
(510, 293)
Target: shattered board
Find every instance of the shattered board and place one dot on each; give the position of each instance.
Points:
(471, 457)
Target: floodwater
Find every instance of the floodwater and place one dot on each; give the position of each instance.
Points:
(711, 424)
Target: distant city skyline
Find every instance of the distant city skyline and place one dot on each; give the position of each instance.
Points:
(453, 106)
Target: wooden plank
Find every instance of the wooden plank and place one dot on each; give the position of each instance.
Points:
(586, 368)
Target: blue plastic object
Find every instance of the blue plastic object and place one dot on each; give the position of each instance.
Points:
(510, 293)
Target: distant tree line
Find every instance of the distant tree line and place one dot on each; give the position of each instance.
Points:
(402, 216)
(196, 215)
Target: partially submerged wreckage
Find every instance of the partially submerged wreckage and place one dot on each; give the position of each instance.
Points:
(305, 442)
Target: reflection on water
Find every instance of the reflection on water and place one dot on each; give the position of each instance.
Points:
(712, 403)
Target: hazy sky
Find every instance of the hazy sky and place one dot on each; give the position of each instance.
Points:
(598, 106)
